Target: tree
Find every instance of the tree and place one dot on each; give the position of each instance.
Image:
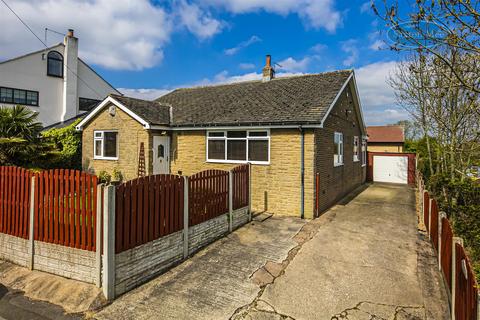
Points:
(19, 135)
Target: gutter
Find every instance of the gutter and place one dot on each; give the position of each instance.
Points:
(302, 172)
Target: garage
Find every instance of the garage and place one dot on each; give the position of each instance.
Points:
(391, 167)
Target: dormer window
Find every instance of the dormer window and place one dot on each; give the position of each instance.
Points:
(55, 64)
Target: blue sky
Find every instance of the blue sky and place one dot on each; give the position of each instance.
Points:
(148, 48)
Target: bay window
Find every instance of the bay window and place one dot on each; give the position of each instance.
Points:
(105, 145)
(238, 146)
(338, 149)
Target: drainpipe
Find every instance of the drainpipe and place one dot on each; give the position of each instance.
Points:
(302, 172)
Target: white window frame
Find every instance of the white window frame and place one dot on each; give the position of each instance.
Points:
(247, 139)
(356, 149)
(364, 151)
(101, 138)
(339, 150)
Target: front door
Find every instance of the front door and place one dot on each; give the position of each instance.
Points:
(161, 154)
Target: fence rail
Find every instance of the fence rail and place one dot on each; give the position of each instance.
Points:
(208, 195)
(148, 208)
(65, 208)
(15, 201)
(458, 273)
(240, 185)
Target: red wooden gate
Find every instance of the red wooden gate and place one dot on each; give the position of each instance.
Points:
(240, 185)
(466, 291)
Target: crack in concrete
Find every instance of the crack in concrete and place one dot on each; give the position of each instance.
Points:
(305, 234)
(397, 309)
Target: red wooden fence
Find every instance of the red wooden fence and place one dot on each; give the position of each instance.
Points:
(15, 201)
(240, 183)
(434, 224)
(466, 291)
(147, 208)
(446, 252)
(426, 208)
(65, 208)
(208, 195)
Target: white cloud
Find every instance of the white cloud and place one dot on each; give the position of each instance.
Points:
(366, 6)
(315, 13)
(319, 47)
(292, 65)
(116, 34)
(350, 47)
(146, 94)
(246, 66)
(377, 97)
(198, 21)
(377, 45)
(253, 39)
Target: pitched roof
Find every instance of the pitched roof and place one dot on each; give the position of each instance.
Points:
(152, 112)
(290, 100)
(385, 134)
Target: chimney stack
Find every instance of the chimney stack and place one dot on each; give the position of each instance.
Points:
(268, 71)
(70, 86)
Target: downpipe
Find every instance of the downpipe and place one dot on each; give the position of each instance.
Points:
(302, 172)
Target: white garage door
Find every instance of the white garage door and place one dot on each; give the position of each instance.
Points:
(392, 169)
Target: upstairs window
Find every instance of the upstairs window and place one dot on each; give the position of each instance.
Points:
(85, 104)
(19, 96)
(55, 64)
(238, 146)
(356, 149)
(338, 149)
(105, 145)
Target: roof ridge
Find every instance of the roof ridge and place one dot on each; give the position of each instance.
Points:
(259, 80)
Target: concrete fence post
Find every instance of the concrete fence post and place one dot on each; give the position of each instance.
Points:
(98, 235)
(230, 201)
(249, 192)
(109, 242)
(441, 215)
(185, 217)
(31, 235)
(455, 240)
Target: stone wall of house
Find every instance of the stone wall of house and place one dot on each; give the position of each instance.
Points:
(65, 261)
(130, 134)
(276, 186)
(385, 147)
(337, 182)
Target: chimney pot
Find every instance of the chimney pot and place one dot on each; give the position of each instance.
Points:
(70, 33)
(268, 61)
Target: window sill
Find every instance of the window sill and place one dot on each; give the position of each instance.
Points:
(264, 163)
(106, 158)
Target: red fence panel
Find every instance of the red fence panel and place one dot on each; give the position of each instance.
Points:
(146, 209)
(446, 252)
(15, 201)
(208, 195)
(65, 208)
(466, 291)
(434, 225)
(426, 206)
(240, 185)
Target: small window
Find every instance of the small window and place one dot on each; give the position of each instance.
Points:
(55, 64)
(355, 149)
(6, 95)
(19, 96)
(105, 145)
(364, 151)
(85, 104)
(338, 149)
(160, 151)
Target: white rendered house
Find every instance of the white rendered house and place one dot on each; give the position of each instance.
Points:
(54, 81)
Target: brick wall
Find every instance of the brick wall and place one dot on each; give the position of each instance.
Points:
(130, 134)
(65, 261)
(336, 182)
(385, 147)
(14, 249)
(275, 187)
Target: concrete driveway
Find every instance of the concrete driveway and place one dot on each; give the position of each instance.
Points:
(360, 260)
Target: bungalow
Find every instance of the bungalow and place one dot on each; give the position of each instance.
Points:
(303, 135)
